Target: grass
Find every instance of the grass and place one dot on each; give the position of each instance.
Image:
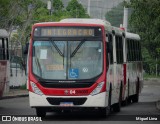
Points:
(23, 87)
(147, 76)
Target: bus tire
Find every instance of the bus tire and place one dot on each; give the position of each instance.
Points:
(125, 102)
(41, 112)
(106, 111)
(136, 96)
(117, 106)
(129, 97)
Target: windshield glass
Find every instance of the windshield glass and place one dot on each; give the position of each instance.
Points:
(67, 60)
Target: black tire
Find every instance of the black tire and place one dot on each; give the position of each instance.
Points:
(110, 98)
(136, 96)
(41, 112)
(106, 111)
(117, 106)
(125, 102)
(129, 100)
(129, 97)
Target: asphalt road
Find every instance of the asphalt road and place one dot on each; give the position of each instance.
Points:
(146, 107)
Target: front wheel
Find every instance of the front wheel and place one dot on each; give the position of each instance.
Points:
(117, 106)
(40, 112)
(135, 97)
(105, 112)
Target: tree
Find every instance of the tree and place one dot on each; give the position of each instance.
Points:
(115, 15)
(76, 10)
(21, 14)
(145, 20)
(58, 5)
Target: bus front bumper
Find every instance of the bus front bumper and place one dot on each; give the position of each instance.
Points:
(99, 100)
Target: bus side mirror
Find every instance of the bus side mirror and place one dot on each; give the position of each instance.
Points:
(25, 50)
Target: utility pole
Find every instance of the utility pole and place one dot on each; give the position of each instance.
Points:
(125, 18)
(49, 7)
(89, 5)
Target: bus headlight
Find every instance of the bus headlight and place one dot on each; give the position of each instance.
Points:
(97, 89)
(36, 89)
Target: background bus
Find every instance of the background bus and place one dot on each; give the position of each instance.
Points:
(132, 67)
(76, 64)
(4, 61)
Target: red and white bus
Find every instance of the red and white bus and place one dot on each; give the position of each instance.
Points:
(78, 64)
(133, 75)
(4, 61)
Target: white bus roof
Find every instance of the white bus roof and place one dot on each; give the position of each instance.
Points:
(3, 33)
(86, 20)
(106, 24)
(132, 36)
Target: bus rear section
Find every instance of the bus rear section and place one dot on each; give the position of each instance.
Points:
(133, 67)
(4, 61)
(67, 67)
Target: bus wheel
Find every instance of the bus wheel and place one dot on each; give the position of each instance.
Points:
(106, 111)
(135, 97)
(125, 102)
(129, 97)
(41, 112)
(117, 106)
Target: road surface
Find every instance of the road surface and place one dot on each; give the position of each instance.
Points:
(146, 107)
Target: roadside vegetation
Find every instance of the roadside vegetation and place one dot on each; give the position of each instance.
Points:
(144, 19)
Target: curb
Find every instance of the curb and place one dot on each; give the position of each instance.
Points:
(15, 96)
(158, 105)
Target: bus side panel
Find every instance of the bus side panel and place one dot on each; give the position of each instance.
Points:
(3, 76)
(140, 75)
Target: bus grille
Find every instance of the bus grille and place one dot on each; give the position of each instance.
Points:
(57, 101)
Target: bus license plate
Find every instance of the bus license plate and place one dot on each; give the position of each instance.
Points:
(66, 103)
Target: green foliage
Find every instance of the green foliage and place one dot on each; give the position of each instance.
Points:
(23, 87)
(24, 13)
(76, 10)
(150, 76)
(115, 15)
(145, 20)
(58, 5)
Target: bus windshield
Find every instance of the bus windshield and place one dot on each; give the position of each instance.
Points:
(67, 60)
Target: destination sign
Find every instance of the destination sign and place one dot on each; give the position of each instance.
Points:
(67, 32)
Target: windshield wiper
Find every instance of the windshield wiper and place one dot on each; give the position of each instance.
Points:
(56, 47)
(58, 50)
(39, 66)
(77, 48)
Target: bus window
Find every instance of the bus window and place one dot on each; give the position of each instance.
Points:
(129, 53)
(110, 39)
(1, 50)
(140, 52)
(131, 50)
(7, 49)
(119, 49)
(137, 51)
(134, 49)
